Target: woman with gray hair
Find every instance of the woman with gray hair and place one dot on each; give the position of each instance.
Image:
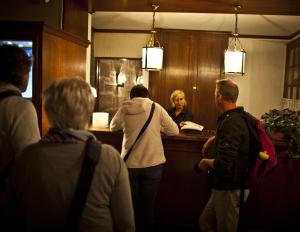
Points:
(45, 177)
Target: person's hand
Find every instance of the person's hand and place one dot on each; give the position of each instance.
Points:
(182, 123)
(204, 164)
(207, 145)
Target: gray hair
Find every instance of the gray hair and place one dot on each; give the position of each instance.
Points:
(69, 103)
(228, 89)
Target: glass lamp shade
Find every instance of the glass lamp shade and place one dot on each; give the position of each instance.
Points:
(234, 62)
(152, 58)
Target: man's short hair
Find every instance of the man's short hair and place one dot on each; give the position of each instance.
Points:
(139, 91)
(69, 103)
(228, 89)
(14, 64)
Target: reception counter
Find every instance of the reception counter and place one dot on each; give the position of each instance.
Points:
(183, 193)
(273, 205)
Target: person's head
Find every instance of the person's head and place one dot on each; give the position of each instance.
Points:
(226, 94)
(14, 66)
(69, 103)
(177, 99)
(139, 91)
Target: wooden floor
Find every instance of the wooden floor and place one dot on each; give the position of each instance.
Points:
(177, 228)
(194, 228)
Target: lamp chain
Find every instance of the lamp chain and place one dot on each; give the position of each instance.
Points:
(153, 20)
(236, 33)
(153, 38)
(154, 8)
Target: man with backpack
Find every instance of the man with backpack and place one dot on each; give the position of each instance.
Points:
(225, 166)
(18, 118)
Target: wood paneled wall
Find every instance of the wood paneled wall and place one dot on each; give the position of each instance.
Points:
(75, 17)
(68, 15)
(61, 57)
(56, 53)
(193, 61)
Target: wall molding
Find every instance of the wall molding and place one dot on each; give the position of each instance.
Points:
(66, 35)
(270, 37)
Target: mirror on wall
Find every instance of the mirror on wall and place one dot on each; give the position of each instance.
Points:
(27, 46)
(114, 79)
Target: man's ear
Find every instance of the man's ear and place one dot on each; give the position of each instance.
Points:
(219, 97)
(24, 83)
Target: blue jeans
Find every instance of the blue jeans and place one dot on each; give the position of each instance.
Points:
(144, 184)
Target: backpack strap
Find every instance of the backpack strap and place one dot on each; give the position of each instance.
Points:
(9, 93)
(142, 130)
(4, 174)
(253, 134)
(91, 158)
(252, 124)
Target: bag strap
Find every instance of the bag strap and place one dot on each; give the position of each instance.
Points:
(91, 158)
(246, 116)
(251, 123)
(142, 130)
(9, 93)
(4, 174)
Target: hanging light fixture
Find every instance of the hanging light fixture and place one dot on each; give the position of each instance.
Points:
(152, 54)
(234, 60)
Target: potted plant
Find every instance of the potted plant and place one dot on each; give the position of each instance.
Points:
(288, 122)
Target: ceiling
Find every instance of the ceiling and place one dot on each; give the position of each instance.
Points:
(275, 18)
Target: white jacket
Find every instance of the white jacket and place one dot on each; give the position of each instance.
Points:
(131, 117)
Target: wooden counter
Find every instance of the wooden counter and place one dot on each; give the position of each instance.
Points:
(273, 205)
(183, 193)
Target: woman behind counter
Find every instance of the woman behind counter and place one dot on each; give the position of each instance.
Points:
(178, 112)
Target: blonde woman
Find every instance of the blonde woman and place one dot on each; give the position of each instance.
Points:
(179, 112)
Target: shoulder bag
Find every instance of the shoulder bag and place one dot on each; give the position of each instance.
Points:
(142, 130)
(92, 156)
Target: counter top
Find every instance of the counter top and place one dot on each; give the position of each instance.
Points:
(183, 193)
(189, 135)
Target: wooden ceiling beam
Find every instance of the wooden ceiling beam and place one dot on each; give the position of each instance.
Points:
(263, 7)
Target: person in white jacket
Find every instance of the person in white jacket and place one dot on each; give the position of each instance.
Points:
(145, 162)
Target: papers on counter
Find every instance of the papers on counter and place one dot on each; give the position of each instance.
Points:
(192, 126)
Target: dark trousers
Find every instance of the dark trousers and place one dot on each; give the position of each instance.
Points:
(144, 184)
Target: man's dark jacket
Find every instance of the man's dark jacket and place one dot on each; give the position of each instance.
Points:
(231, 151)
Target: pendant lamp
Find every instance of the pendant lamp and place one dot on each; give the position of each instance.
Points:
(234, 57)
(152, 54)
